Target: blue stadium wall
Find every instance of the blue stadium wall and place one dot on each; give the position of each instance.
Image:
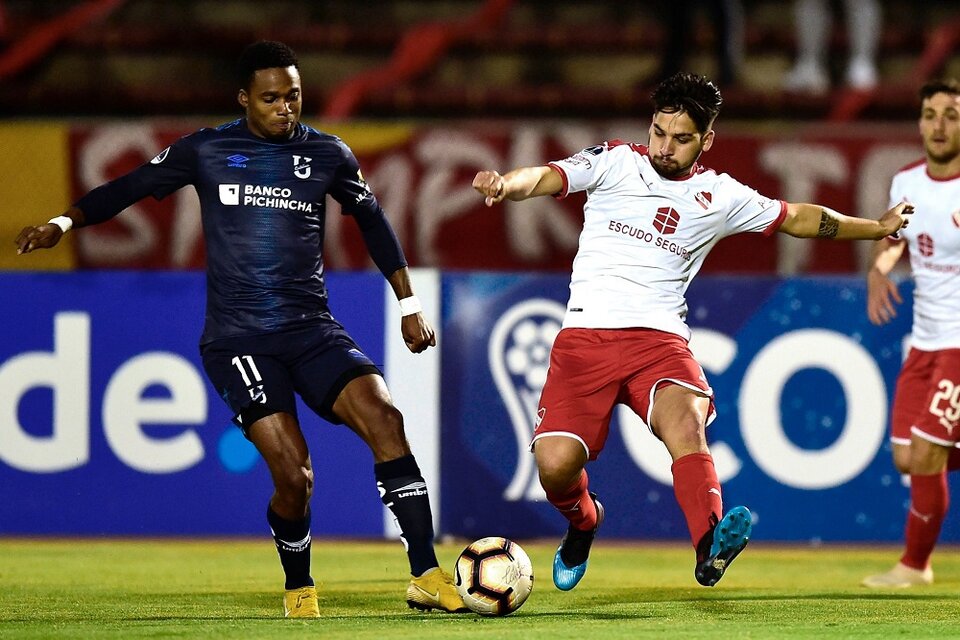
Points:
(109, 427)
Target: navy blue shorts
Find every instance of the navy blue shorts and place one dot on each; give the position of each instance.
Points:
(258, 375)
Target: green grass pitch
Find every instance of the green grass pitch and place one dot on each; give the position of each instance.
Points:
(109, 588)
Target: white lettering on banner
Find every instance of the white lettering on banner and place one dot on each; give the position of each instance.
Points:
(518, 353)
(715, 351)
(873, 186)
(760, 418)
(125, 411)
(140, 236)
(67, 371)
(534, 225)
(801, 167)
(529, 328)
(424, 185)
(443, 193)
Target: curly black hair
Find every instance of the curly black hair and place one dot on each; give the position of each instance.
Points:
(690, 93)
(265, 54)
(948, 86)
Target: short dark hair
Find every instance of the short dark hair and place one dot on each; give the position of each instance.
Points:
(948, 86)
(265, 54)
(690, 93)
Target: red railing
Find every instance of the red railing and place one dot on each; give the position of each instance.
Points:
(419, 50)
(941, 43)
(33, 46)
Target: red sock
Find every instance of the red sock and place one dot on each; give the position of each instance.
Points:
(929, 500)
(698, 492)
(953, 459)
(575, 504)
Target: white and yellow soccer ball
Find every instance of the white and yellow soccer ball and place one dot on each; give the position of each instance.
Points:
(494, 576)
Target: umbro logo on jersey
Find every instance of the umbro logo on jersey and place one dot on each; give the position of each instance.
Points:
(237, 160)
(704, 198)
(666, 220)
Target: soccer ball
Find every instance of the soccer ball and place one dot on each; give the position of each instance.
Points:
(494, 576)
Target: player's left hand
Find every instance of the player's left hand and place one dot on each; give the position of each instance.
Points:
(896, 218)
(417, 333)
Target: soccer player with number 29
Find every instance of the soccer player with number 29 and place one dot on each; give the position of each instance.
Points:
(925, 420)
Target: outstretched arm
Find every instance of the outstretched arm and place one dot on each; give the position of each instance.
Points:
(46, 236)
(882, 292)
(519, 184)
(815, 221)
(417, 332)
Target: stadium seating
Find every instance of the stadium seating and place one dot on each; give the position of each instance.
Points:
(498, 58)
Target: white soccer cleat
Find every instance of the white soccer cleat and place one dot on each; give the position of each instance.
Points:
(900, 577)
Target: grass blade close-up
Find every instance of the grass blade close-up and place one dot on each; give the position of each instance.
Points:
(106, 588)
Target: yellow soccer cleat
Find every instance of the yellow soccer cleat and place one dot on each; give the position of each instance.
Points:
(301, 603)
(900, 577)
(435, 590)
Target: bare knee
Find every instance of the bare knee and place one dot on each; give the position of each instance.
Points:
(901, 458)
(559, 462)
(293, 487)
(683, 435)
(382, 429)
(678, 418)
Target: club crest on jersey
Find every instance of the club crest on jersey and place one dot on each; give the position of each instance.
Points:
(704, 198)
(301, 166)
(160, 157)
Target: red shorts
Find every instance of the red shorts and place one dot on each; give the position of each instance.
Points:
(593, 370)
(927, 400)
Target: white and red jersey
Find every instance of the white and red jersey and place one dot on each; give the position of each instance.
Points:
(645, 236)
(933, 239)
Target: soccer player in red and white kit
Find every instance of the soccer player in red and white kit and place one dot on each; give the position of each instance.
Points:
(651, 216)
(925, 423)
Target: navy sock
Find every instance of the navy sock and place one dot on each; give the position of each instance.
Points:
(292, 538)
(404, 492)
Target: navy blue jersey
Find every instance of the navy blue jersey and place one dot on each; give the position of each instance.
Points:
(263, 209)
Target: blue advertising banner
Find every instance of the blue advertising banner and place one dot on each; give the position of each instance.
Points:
(109, 426)
(803, 384)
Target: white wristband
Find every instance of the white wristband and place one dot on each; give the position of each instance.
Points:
(410, 306)
(64, 222)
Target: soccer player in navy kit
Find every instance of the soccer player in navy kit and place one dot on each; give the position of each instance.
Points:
(262, 181)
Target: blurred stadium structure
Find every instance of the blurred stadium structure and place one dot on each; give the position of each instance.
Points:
(433, 58)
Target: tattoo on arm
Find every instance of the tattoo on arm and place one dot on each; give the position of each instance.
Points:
(829, 226)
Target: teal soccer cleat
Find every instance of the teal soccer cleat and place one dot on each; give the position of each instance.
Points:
(570, 561)
(719, 547)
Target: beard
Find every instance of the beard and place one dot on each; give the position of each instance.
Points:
(943, 157)
(669, 168)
